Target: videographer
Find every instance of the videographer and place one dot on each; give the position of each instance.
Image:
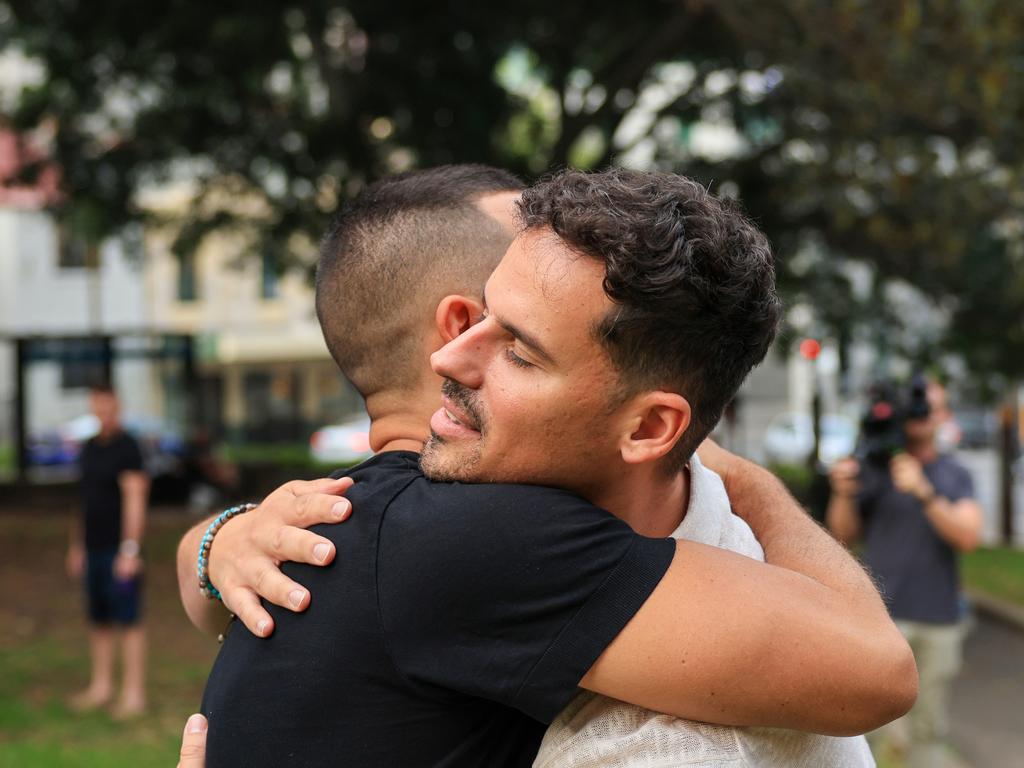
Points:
(914, 509)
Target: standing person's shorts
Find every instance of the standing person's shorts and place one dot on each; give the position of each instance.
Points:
(109, 599)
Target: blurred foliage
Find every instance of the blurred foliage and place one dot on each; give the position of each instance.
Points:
(7, 462)
(885, 134)
(998, 573)
(798, 478)
(294, 456)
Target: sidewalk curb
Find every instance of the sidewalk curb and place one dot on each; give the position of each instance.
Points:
(1000, 610)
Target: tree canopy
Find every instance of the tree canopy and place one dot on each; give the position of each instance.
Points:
(885, 134)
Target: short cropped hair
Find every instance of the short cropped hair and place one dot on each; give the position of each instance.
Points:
(692, 280)
(389, 257)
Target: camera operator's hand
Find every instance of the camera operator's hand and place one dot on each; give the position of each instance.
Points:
(841, 515)
(844, 478)
(908, 476)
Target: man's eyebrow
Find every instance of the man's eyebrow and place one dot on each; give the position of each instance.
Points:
(520, 335)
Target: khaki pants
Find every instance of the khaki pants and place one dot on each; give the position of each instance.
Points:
(938, 652)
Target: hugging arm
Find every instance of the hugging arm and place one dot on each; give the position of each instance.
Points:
(248, 550)
(802, 642)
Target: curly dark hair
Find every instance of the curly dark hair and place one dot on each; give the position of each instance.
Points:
(691, 277)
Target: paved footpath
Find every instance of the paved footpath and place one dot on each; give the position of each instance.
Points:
(988, 698)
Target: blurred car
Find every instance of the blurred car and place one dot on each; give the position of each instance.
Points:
(344, 443)
(979, 428)
(61, 445)
(789, 438)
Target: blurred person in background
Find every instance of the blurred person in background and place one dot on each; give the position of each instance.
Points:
(208, 476)
(913, 519)
(106, 538)
(947, 431)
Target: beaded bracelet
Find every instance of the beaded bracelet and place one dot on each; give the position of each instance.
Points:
(202, 562)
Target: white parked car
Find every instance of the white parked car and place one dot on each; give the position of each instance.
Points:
(789, 438)
(345, 443)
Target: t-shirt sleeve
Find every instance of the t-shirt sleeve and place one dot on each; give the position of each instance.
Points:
(131, 455)
(508, 593)
(962, 486)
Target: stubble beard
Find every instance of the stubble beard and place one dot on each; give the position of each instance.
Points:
(442, 464)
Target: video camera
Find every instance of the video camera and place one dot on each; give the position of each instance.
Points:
(890, 406)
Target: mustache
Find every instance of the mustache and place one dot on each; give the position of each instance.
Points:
(465, 398)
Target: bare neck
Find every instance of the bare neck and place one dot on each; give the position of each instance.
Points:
(925, 452)
(108, 432)
(650, 501)
(399, 420)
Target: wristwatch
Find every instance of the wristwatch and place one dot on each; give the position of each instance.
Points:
(129, 548)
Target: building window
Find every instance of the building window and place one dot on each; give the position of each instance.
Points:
(268, 276)
(81, 374)
(83, 363)
(187, 277)
(74, 252)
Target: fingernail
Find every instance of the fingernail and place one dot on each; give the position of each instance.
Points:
(320, 551)
(341, 509)
(261, 627)
(295, 597)
(196, 724)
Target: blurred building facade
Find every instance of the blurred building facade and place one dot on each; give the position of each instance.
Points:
(64, 309)
(219, 342)
(263, 372)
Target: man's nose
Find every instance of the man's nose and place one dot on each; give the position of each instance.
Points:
(462, 358)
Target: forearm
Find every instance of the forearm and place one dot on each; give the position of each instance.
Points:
(955, 523)
(792, 540)
(842, 519)
(75, 538)
(207, 615)
(133, 513)
(787, 653)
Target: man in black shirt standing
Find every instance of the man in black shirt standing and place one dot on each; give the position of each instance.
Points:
(105, 548)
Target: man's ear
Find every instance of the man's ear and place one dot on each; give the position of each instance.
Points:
(455, 315)
(655, 425)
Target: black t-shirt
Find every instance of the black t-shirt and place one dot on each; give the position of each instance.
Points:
(916, 568)
(454, 623)
(101, 463)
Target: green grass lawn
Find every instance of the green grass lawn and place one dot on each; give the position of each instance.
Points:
(43, 652)
(996, 572)
(291, 455)
(6, 460)
(44, 656)
(278, 454)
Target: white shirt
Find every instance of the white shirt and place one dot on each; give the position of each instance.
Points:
(594, 731)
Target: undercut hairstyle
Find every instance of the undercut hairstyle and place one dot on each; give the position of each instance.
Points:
(692, 280)
(390, 256)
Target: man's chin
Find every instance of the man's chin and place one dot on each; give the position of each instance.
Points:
(442, 462)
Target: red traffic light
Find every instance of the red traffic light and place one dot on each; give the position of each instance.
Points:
(810, 349)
